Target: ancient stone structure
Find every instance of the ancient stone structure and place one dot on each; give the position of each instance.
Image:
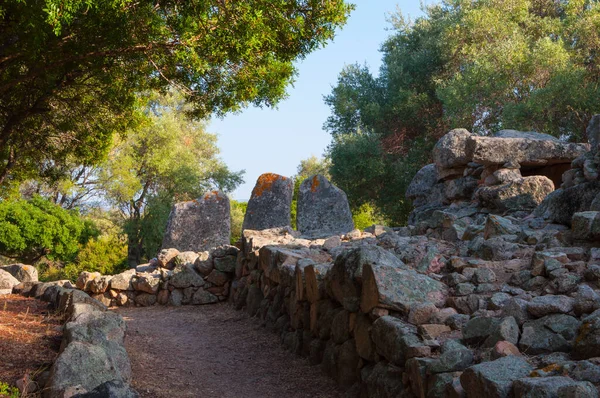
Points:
(199, 224)
(270, 203)
(323, 209)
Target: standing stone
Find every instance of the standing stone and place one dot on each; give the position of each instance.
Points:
(270, 204)
(199, 224)
(323, 209)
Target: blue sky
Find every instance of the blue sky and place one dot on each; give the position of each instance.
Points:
(275, 140)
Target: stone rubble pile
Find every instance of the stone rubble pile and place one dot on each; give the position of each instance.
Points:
(173, 278)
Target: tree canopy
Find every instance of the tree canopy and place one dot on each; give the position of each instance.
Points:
(70, 70)
(483, 65)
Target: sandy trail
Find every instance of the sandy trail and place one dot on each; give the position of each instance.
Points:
(214, 351)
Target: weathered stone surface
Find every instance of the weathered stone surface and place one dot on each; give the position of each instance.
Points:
(524, 194)
(112, 389)
(393, 337)
(323, 209)
(384, 381)
(560, 205)
(145, 299)
(525, 151)
(7, 282)
(166, 258)
(199, 224)
(552, 333)
(270, 203)
(185, 276)
(587, 343)
(496, 225)
(85, 278)
(541, 387)
(495, 378)
(451, 150)
(532, 135)
(22, 272)
(201, 296)
(362, 336)
(81, 364)
(578, 390)
(100, 284)
(550, 304)
(586, 225)
(225, 264)
(424, 186)
(148, 283)
(389, 283)
(204, 263)
(123, 280)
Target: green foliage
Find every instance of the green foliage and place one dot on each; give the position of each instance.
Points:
(168, 158)
(106, 254)
(35, 228)
(483, 65)
(238, 211)
(8, 391)
(365, 216)
(70, 70)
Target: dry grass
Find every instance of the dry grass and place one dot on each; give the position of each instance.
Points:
(29, 337)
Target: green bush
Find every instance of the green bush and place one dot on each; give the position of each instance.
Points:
(8, 391)
(365, 216)
(238, 211)
(32, 229)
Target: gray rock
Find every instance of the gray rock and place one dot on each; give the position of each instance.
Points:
(100, 284)
(201, 296)
(550, 304)
(226, 264)
(384, 381)
(323, 209)
(176, 298)
(496, 226)
(578, 390)
(7, 281)
(204, 263)
(145, 299)
(393, 337)
(123, 280)
(22, 272)
(148, 283)
(593, 132)
(424, 188)
(525, 151)
(586, 225)
(81, 364)
(506, 330)
(270, 203)
(185, 276)
(587, 343)
(532, 135)
(388, 283)
(540, 387)
(451, 150)
(552, 333)
(199, 224)
(495, 378)
(521, 195)
(560, 205)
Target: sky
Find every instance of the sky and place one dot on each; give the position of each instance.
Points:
(275, 140)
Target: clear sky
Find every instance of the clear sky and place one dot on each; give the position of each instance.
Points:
(275, 140)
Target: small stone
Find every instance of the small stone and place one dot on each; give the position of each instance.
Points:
(421, 313)
(504, 349)
(495, 378)
(550, 304)
(433, 331)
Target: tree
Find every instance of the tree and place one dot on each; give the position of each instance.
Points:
(483, 65)
(168, 157)
(70, 70)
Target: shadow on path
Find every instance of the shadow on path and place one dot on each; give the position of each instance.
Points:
(214, 351)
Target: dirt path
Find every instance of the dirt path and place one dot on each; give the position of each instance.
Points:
(214, 351)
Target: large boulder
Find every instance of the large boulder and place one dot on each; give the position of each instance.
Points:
(495, 378)
(389, 283)
(538, 151)
(523, 194)
(270, 203)
(323, 209)
(7, 282)
(199, 224)
(424, 188)
(22, 272)
(560, 206)
(451, 150)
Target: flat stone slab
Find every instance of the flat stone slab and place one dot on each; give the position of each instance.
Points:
(199, 224)
(270, 204)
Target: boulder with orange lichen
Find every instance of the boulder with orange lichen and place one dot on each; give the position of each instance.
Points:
(270, 204)
(200, 224)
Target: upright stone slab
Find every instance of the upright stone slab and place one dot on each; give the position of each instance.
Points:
(270, 204)
(199, 224)
(323, 209)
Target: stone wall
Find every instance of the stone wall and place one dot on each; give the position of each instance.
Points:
(92, 360)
